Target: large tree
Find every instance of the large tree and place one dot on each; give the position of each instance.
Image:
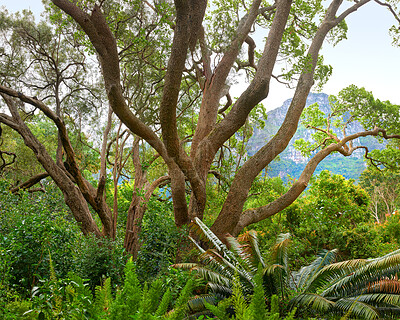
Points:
(160, 59)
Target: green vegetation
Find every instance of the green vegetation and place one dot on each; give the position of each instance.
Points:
(51, 271)
(134, 184)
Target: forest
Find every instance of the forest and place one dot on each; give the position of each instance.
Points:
(127, 189)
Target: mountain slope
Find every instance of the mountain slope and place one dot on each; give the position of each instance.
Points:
(291, 162)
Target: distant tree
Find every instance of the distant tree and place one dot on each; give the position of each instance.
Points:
(384, 191)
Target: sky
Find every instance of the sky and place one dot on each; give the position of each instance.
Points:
(366, 59)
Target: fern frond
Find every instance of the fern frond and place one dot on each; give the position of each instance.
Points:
(164, 304)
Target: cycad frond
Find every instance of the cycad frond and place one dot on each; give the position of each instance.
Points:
(304, 276)
(212, 238)
(241, 258)
(197, 245)
(235, 267)
(184, 266)
(329, 277)
(360, 309)
(374, 270)
(381, 299)
(313, 301)
(279, 252)
(384, 285)
(223, 291)
(211, 276)
(197, 303)
(251, 250)
(272, 279)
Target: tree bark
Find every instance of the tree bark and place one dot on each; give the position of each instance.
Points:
(228, 219)
(72, 195)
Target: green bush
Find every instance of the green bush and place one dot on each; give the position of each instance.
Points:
(96, 259)
(160, 241)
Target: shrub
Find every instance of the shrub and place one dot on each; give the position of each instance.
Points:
(96, 259)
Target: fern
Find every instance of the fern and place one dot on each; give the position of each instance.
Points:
(57, 296)
(238, 299)
(257, 308)
(154, 295)
(128, 299)
(180, 307)
(274, 304)
(164, 304)
(220, 310)
(103, 297)
(144, 304)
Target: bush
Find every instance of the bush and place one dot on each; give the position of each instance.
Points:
(160, 241)
(96, 259)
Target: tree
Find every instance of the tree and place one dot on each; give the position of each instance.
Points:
(383, 190)
(199, 60)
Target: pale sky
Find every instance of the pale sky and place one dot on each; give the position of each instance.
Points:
(366, 59)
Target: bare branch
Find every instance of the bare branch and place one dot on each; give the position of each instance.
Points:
(390, 8)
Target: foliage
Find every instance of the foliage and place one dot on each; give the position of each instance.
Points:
(383, 189)
(363, 288)
(235, 274)
(35, 226)
(30, 229)
(332, 209)
(161, 240)
(367, 289)
(137, 302)
(97, 259)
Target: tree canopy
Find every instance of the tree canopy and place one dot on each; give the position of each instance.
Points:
(149, 81)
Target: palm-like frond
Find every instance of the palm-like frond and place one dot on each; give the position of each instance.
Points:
(271, 279)
(355, 307)
(374, 270)
(196, 244)
(384, 285)
(251, 250)
(279, 252)
(240, 257)
(215, 261)
(218, 289)
(214, 257)
(313, 301)
(279, 261)
(212, 276)
(331, 275)
(184, 266)
(305, 275)
(197, 303)
(212, 238)
(381, 299)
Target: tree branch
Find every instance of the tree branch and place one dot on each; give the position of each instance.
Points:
(31, 182)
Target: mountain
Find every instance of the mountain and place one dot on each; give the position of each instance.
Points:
(291, 162)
